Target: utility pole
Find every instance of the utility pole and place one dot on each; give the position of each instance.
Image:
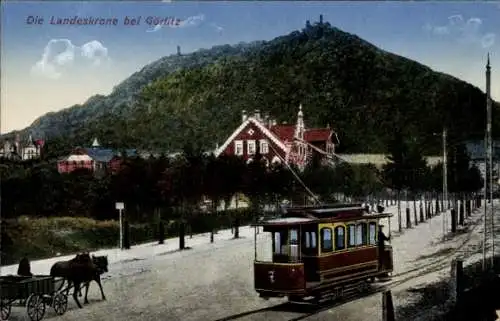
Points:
(485, 199)
(490, 153)
(445, 182)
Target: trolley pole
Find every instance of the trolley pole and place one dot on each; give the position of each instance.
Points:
(445, 183)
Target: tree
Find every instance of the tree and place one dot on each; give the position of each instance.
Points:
(417, 170)
(319, 177)
(396, 172)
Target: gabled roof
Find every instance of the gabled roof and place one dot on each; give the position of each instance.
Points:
(100, 154)
(318, 134)
(261, 127)
(284, 132)
(107, 154)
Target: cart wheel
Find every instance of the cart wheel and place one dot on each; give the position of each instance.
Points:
(5, 307)
(60, 303)
(35, 307)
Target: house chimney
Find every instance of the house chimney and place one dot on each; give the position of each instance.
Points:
(244, 116)
(257, 114)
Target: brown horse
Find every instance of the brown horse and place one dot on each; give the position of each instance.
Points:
(101, 264)
(76, 271)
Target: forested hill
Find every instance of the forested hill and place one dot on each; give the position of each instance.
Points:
(363, 92)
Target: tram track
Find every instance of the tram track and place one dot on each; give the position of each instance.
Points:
(398, 279)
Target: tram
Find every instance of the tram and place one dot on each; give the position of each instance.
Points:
(320, 251)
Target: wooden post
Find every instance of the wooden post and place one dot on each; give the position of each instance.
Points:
(408, 218)
(161, 233)
(437, 206)
(462, 212)
(415, 212)
(421, 213)
(387, 307)
(456, 284)
(453, 220)
(126, 235)
(212, 236)
(182, 232)
(468, 208)
(236, 228)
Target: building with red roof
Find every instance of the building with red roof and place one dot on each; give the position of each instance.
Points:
(292, 144)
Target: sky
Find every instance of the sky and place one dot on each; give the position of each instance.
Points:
(47, 67)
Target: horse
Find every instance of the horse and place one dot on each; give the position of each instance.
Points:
(76, 271)
(24, 268)
(101, 264)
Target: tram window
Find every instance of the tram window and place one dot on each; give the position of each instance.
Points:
(277, 243)
(351, 235)
(326, 240)
(307, 240)
(294, 236)
(372, 234)
(313, 240)
(361, 234)
(340, 238)
(294, 244)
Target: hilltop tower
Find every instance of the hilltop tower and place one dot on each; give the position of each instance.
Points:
(178, 50)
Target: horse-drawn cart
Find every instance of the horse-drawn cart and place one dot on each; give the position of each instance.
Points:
(34, 292)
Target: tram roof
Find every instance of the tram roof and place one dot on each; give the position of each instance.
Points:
(321, 214)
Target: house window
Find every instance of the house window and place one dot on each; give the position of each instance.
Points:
(340, 238)
(326, 240)
(351, 235)
(238, 147)
(372, 235)
(264, 147)
(251, 147)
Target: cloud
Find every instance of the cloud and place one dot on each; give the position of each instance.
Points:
(465, 31)
(59, 54)
(192, 21)
(95, 52)
(218, 28)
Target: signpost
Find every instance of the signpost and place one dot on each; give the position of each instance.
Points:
(120, 206)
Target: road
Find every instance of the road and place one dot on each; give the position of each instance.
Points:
(215, 282)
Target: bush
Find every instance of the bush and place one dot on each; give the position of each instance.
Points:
(47, 237)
